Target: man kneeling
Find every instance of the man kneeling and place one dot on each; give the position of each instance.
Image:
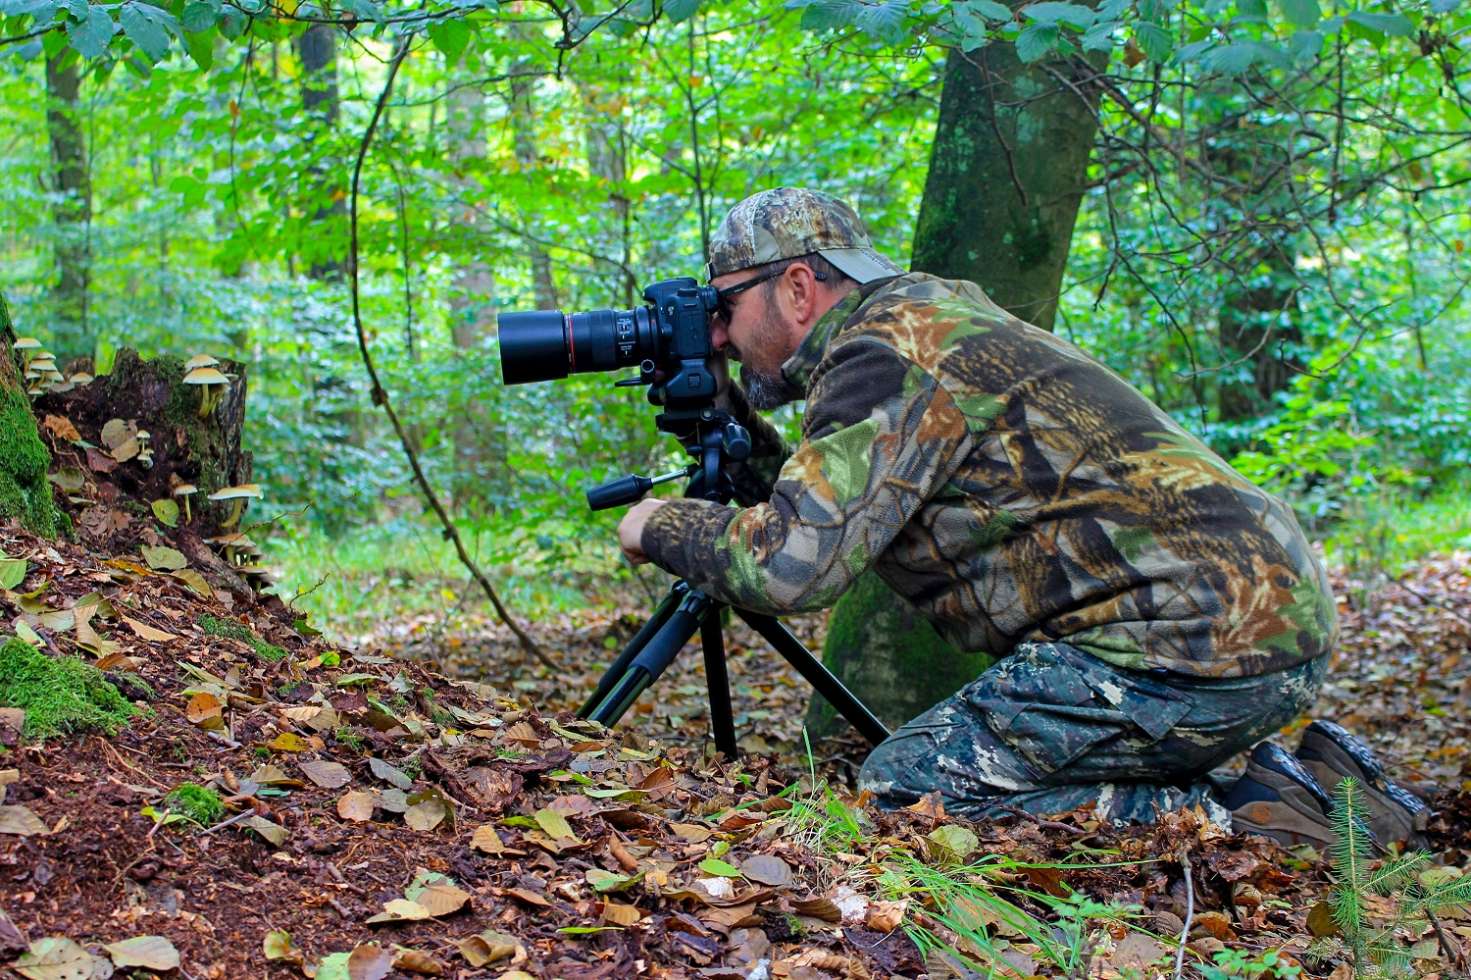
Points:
(1155, 612)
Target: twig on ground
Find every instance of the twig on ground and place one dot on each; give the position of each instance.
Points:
(1184, 858)
(1045, 824)
(248, 812)
(380, 394)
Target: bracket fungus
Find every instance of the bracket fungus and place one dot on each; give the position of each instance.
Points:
(237, 497)
(214, 385)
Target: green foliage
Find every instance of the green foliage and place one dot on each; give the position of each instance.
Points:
(1415, 895)
(24, 492)
(215, 626)
(199, 805)
(1229, 964)
(58, 694)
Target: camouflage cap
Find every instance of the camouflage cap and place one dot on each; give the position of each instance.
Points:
(789, 221)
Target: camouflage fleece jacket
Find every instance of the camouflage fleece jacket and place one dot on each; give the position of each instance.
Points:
(1013, 489)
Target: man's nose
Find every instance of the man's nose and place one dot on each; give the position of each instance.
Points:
(719, 336)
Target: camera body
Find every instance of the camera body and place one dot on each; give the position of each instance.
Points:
(668, 340)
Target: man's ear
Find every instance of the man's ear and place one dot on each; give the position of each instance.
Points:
(801, 288)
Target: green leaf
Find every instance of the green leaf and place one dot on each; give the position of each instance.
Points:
(145, 26)
(715, 866)
(585, 930)
(334, 966)
(990, 9)
(1036, 41)
(451, 37)
(1156, 42)
(1229, 59)
(1304, 13)
(92, 36)
(1051, 12)
(1305, 45)
(166, 511)
(42, 10)
(1395, 25)
(884, 21)
(827, 15)
(201, 47)
(12, 572)
(679, 10)
(554, 824)
(166, 559)
(199, 15)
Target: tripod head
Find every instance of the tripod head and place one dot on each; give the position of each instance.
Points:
(709, 435)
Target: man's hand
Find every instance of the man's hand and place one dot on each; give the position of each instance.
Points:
(631, 529)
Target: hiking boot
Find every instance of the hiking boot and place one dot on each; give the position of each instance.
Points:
(1280, 799)
(1330, 752)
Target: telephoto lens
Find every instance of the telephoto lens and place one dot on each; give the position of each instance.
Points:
(549, 344)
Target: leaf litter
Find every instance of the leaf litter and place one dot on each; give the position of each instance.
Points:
(384, 819)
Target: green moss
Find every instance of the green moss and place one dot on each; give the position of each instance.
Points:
(58, 694)
(197, 803)
(232, 630)
(344, 735)
(24, 492)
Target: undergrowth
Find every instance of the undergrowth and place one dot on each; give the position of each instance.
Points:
(197, 804)
(58, 694)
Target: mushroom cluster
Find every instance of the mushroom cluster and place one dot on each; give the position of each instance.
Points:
(237, 497)
(41, 372)
(203, 371)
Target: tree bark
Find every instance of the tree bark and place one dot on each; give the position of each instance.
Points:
(1007, 171)
(317, 49)
(72, 212)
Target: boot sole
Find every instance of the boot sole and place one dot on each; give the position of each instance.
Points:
(1389, 819)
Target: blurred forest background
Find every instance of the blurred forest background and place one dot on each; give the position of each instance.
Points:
(1272, 203)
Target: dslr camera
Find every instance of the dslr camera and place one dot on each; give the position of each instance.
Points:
(668, 340)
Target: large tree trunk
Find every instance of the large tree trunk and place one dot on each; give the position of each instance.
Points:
(72, 212)
(1006, 177)
(1007, 171)
(25, 493)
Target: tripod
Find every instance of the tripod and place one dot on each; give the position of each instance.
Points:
(714, 439)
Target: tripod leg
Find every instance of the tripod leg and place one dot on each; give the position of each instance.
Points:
(650, 662)
(821, 679)
(722, 720)
(652, 625)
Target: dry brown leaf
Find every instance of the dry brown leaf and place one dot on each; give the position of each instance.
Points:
(369, 962)
(328, 775)
(620, 915)
(61, 427)
(441, 899)
(205, 710)
(767, 869)
(491, 946)
(147, 632)
(19, 820)
(426, 814)
(885, 916)
(487, 840)
(401, 910)
(355, 806)
(148, 952)
(417, 961)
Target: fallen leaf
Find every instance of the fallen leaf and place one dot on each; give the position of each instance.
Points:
(401, 910)
(205, 710)
(417, 961)
(487, 840)
(116, 431)
(164, 559)
(277, 945)
(951, 844)
(555, 825)
(441, 899)
(61, 427)
(767, 869)
(389, 774)
(273, 832)
(12, 572)
(1321, 922)
(355, 806)
(195, 581)
(147, 632)
(21, 821)
(621, 915)
(723, 869)
(370, 962)
(426, 814)
(149, 952)
(56, 958)
(489, 947)
(885, 916)
(1136, 952)
(167, 512)
(288, 742)
(328, 775)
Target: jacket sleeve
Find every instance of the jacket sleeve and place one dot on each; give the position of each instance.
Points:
(880, 437)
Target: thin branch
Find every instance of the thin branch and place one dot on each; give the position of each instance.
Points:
(1184, 859)
(380, 396)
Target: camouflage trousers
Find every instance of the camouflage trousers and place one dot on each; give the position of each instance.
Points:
(1051, 728)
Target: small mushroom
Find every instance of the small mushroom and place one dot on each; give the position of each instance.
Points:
(42, 363)
(200, 361)
(145, 451)
(235, 545)
(184, 491)
(237, 497)
(27, 343)
(214, 384)
(80, 378)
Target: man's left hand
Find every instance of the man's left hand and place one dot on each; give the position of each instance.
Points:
(631, 529)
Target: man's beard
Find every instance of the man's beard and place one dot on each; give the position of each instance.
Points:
(767, 390)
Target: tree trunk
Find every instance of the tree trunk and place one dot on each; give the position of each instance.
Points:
(25, 493)
(1007, 171)
(479, 444)
(72, 212)
(523, 134)
(326, 189)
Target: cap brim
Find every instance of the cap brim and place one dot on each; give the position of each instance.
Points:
(863, 265)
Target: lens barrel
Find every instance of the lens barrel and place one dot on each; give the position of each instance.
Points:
(548, 344)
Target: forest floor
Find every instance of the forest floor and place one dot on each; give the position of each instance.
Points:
(380, 818)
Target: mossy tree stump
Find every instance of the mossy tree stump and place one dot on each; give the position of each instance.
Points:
(186, 448)
(24, 492)
(889, 656)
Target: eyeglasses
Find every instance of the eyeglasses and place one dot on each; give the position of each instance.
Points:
(723, 296)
